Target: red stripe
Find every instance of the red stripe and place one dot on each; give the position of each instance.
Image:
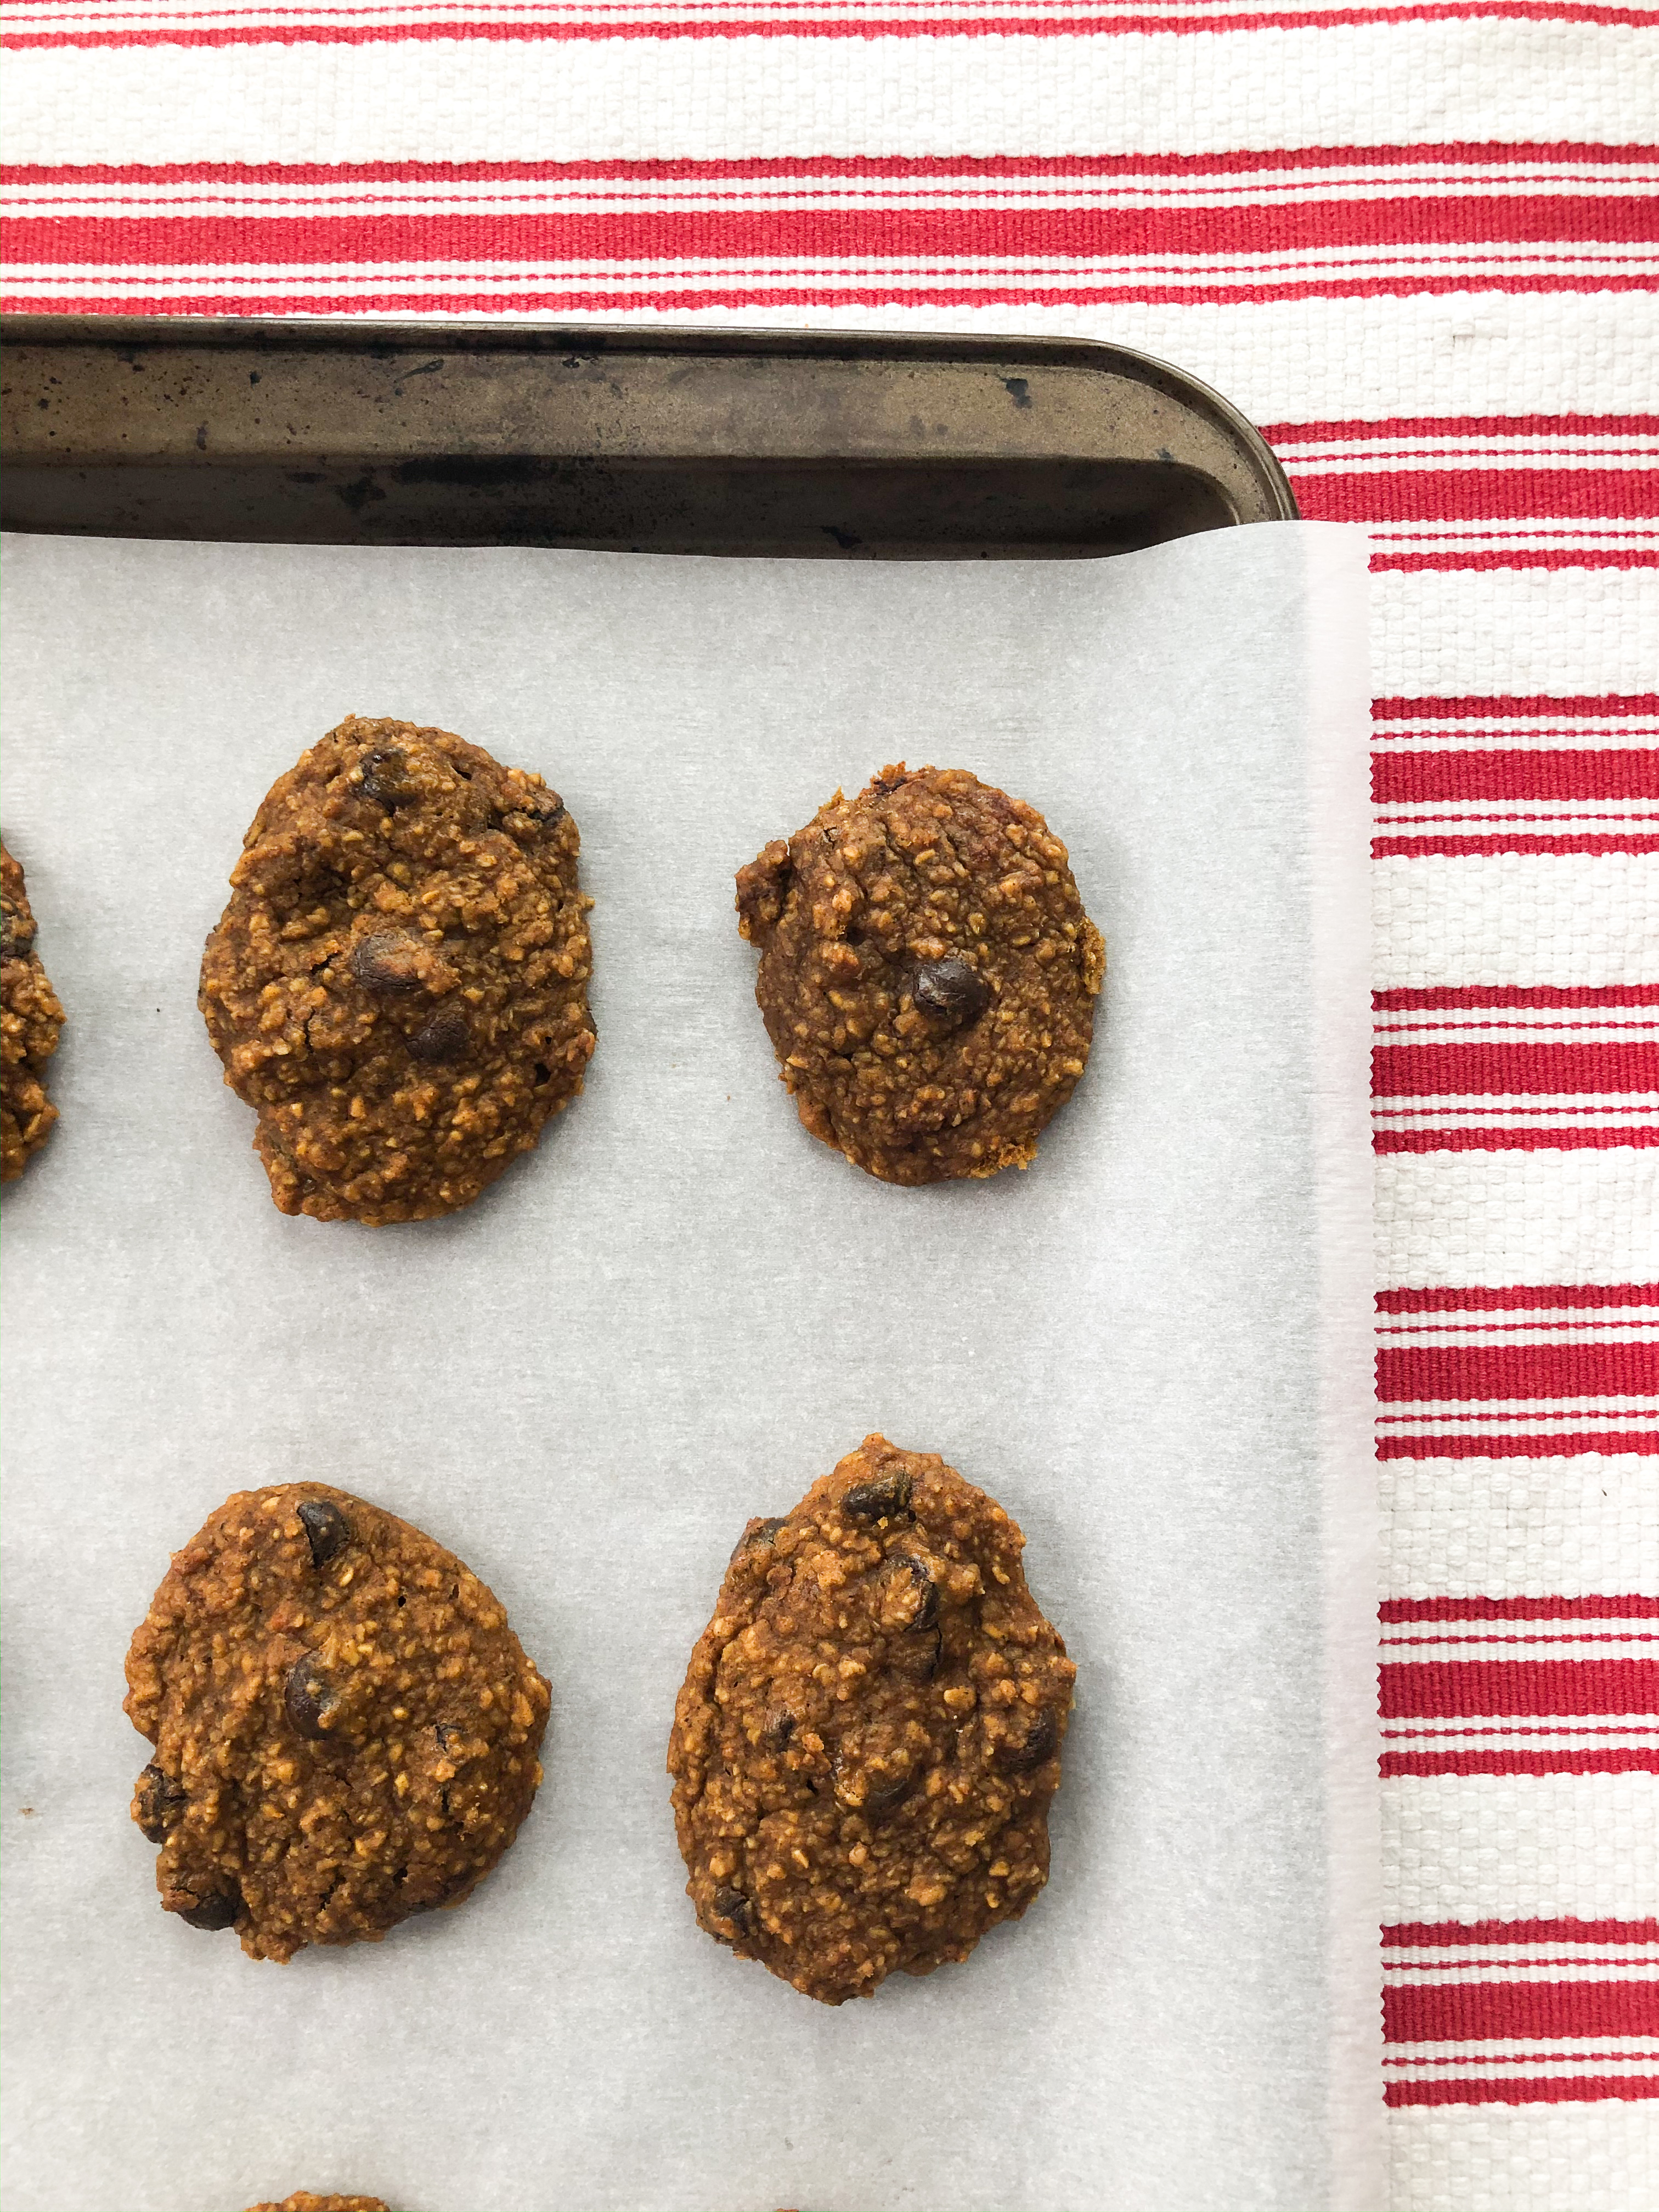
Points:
(1599, 707)
(1519, 1609)
(951, 26)
(1426, 1071)
(658, 234)
(1515, 1141)
(1458, 153)
(1525, 2090)
(1394, 1764)
(1401, 779)
(1446, 1689)
(566, 301)
(1423, 1934)
(1575, 557)
(1461, 1371)
(1416, 849)
(1618, 1443)
(1453, 493)
(1518, 1297)
(1444, 997)
(1403, 427)
(1479, 2011)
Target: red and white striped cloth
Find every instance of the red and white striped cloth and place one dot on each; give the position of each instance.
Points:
(1419, 242)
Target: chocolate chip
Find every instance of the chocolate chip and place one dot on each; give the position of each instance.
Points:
(884, 1499)
(386, 779)
(157, 1801)
(874, 1798)
(445, 1038)
(732, 1905)
(536, 810)
(777, 1729)
(216, 1909)
(1037, 1745)
(386, 964)
(950, 991)
(327, 1530)
(926, 1589)
(917, 1656)
(308, 1697)
(757, 1532)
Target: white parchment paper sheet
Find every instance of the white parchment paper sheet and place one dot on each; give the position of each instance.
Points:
(680, 1311)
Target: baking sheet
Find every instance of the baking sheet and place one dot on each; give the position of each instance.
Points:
(1151, 1347)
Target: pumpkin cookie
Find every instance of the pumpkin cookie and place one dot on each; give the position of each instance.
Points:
(870, 1729)
(927, 976)
(398, 986)
(30, 1019)
(345, 1727)
(303, 2201)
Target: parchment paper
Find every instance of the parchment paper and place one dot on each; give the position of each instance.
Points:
(1151, 1347)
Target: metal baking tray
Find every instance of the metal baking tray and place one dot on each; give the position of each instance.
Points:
(661, 440)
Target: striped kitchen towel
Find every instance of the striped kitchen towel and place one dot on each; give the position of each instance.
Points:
(1417, 241)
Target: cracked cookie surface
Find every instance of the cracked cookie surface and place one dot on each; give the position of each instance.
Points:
(31, 1018)
(928, 976)
(870, 1729)
(398, 986)
(345, 1727)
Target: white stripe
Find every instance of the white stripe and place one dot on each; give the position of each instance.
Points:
(858, 193)
(1560, 633)
(1524, 2158)
(1544, 1217)
(1519, 1528)
(1489, 2052)
(1480, 1958)
(1564, 920)
(1604, 1633)
(1520, 1847)
(493, 99)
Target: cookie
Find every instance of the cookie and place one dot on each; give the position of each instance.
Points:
(30, 1019)
(927, 976)
(870, 1730)
(398, 986)
(345, 1727)
(303, 2201)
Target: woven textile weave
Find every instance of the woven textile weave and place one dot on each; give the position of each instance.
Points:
(1418, 243)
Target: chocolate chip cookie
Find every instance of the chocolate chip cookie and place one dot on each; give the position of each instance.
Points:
(345, 1727)
(398, 986)
(870, 1730)
(30, 1019)
(303, 2201)
(927, 976)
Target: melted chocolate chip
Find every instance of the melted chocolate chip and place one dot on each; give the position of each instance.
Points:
(916, 1655)
(884, 1499)
(777, 1729)
(732, 1905)
(308, 1697)
(327, 1530)
(386, 779)
(385, 964)
(926, 1589)
(445, 1038)
(950, 992)
(757, 1532)
(1037, 1745)
(216, 1909)
(157, 1801)
(875, 1798)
